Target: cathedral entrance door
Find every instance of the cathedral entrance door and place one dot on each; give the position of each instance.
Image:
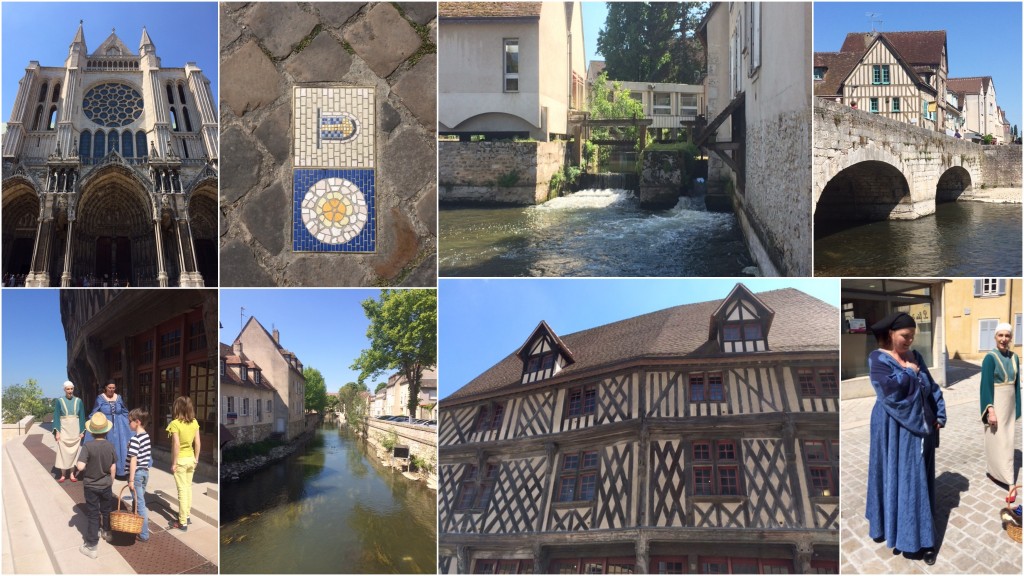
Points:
(113, 260)
(206, 260)
(20, 258)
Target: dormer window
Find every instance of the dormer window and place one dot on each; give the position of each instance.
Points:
(543, 355)
(741, 323)
(736, 331)
(257, 376)
(223, 366)
(245, 374)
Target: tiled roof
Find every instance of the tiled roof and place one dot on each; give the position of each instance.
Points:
(917, 48)
(489, 9)
(802, 324)
(229, 376)
(839, 65)
(970, 85)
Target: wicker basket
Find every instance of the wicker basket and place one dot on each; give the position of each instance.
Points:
(1014, 532)
(129, 522)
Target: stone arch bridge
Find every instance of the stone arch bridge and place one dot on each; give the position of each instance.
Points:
(869, 168)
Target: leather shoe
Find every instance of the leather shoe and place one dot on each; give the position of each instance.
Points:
(929, 557)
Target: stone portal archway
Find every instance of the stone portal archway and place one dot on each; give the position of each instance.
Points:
(953, 182)
(202, 215)
(113, 237)
(864, 192)
(20, 225)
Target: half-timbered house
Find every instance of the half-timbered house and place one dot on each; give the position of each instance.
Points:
(899, 75)
(698, 439)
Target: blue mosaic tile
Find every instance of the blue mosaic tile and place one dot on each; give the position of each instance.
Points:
(313, 217)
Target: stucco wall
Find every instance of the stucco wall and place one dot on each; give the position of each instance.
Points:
(469, 171)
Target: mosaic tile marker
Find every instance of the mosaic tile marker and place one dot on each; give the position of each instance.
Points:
(334, 173)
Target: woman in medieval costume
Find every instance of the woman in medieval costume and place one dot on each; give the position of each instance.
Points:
(112, 406)
(905, 422)
(68, 430)
(1000, 408)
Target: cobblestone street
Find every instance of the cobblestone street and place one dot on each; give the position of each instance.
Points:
(970, 531)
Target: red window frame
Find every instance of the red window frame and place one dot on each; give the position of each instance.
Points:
(682, 561)
(817, 382)
(821, 461)
(707, 387)
(580, 401)
(716, 468)
(728, 564)
(577, 473)
(490, 416)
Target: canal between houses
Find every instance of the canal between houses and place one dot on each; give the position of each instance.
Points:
(960, 239)
(591, 233)
(331, 507)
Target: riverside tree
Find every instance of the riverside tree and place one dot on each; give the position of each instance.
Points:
(403, 337)
(653, 41)
(316, 390)
(20, 400)
(351, 402)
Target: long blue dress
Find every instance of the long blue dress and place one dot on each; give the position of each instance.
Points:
(120, 433)
(901, 464)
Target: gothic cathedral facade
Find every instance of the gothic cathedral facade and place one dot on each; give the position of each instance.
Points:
(110, 172)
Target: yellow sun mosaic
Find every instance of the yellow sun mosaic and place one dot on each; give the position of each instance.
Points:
(334, 210)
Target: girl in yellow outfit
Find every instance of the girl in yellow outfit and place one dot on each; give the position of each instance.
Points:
(184, 433)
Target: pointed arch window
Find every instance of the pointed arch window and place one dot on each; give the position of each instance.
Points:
(127, 149)
(42, 91)
(52, 123)
(174, 121)
(170, 94)
(181, 94)
(188, 120)
(37, 121)
(99, 145)
(56, 92)
(85, 144)
(140, 144)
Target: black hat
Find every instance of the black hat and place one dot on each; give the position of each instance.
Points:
(894, 321)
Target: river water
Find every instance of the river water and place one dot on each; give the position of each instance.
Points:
(591, 233)
(329, 508)
(960, 239)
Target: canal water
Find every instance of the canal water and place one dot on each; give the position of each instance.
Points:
(960, 239)
(591, 233)
(329, 508)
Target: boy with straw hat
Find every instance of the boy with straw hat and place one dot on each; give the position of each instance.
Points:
(96, 466)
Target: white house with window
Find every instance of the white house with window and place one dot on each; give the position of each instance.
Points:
(247, 398)
(512, 69)
(672, 107)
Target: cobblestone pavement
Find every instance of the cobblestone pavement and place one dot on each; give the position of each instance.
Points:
(269, 47)
(968, 503)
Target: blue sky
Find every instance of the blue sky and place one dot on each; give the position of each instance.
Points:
(982, 38)
(326, 328)
(33, 339)
(594, 15)
(182, 32)
(482, 321)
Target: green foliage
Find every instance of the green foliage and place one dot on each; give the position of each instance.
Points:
(987, 139)
(351, 402)
(246, 451)
(563, 180)
(589, 152)
(508, 179)
(20, 400)
(332, 403)
(403, 336)
(653, 41)
(380, 387)
(421, 464)
(611, 101)
(316, 390)
(389, 441)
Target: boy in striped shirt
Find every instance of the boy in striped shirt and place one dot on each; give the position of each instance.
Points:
(139, 461)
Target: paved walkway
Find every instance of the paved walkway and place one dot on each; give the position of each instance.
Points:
(44, 522)
(968, 503)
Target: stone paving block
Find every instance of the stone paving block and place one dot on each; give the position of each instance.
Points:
(240, 161)
(383, 39)
(426, 210)
(389, 118)
(229, 29)
(335, 14)
(266, 214)
(271, 129)
(281, 25)
(248, 80)
(419, 12)
(325, 270)
(324, 60)
(425, 275)
(398, 246)
(238, 266)
(418, 89)
(410, 163)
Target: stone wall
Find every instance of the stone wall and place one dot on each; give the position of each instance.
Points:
(1001, 166)
(248, 434)
(472, 172)
(662, 178)
(421, 441)
(20, 428)
(844, 137)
